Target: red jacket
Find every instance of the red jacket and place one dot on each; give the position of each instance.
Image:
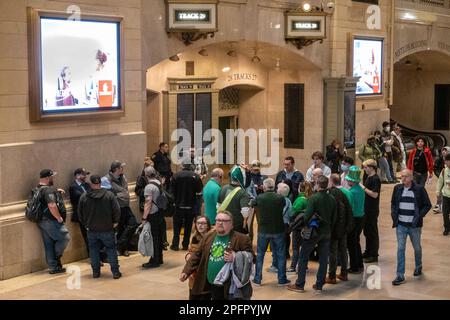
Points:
(428, 157)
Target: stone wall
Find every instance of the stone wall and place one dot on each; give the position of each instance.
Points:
(26, 148)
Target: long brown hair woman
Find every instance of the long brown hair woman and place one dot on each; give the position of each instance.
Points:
(202, 227)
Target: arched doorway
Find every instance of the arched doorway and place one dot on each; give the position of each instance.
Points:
(245, 84)
(422, 92)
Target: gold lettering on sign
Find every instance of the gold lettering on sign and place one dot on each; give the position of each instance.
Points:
(242, 76)
(411, 46)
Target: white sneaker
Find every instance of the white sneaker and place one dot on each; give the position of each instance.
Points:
(437, 209)
(272, 269)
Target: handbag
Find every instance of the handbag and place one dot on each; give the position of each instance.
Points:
(309, 232)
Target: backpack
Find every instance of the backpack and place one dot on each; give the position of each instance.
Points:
(297, 223)
(165, 201)
(33, 210)
(141, 181)
(61, 206)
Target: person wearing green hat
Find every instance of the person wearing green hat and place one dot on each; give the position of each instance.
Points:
(234, 198)
(353, 240)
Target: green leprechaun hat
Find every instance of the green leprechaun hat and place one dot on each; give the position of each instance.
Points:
(354, 174)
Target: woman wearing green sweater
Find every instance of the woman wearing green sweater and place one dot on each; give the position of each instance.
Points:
(305, 192)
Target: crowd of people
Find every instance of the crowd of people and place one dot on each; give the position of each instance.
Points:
(319, 216)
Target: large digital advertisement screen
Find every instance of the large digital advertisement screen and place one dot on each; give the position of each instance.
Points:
(80, 63)
(368, 65)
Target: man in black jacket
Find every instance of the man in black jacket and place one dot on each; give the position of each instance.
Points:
(186, 184)
(342, 227)
(162, 163)
(99, 211)
(290, 176)
(78, 187)
(409, 205)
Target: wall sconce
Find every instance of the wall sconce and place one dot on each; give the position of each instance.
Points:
(232, 53)
(277, 66)
(174, 58)
(203, 52)
(255, 57)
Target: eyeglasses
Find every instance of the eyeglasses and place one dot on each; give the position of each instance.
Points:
(201, 223)
(223, 221)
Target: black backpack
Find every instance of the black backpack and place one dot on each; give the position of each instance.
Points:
(35, 206)
(165, 201)
(34, 210)
(61, 206)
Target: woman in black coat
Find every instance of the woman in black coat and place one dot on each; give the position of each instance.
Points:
(334, 156)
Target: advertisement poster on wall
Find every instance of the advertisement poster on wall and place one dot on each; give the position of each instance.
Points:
(368, 65)
(349, 119)
(80, 65)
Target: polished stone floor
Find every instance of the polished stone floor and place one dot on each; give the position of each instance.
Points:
(163, 283)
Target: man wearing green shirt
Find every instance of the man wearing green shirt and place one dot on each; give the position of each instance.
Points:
(217, 248)
(211, 193)
(353, 239)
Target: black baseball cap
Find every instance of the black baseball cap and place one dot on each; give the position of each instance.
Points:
(81, 171)
(96, 179)
(117, 164)
(47, 173)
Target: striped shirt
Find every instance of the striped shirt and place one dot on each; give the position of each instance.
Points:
(406, 208)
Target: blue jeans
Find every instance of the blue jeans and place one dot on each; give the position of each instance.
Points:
(56, 237)
(279, 249)
(296, 243)
(98, 240)
(306, 249)
(402, 234)
(420, 178)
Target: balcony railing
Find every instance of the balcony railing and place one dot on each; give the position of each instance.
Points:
(425, 5)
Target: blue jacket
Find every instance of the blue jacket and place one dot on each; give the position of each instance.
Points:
(293, 183)
(422, 204)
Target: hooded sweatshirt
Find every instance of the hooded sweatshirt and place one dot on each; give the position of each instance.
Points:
(99, 210)
(119, 186)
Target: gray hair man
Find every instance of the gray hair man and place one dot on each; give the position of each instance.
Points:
(271, 230)
(409, 205)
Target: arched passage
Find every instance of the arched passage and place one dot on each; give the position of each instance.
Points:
(421, 100)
